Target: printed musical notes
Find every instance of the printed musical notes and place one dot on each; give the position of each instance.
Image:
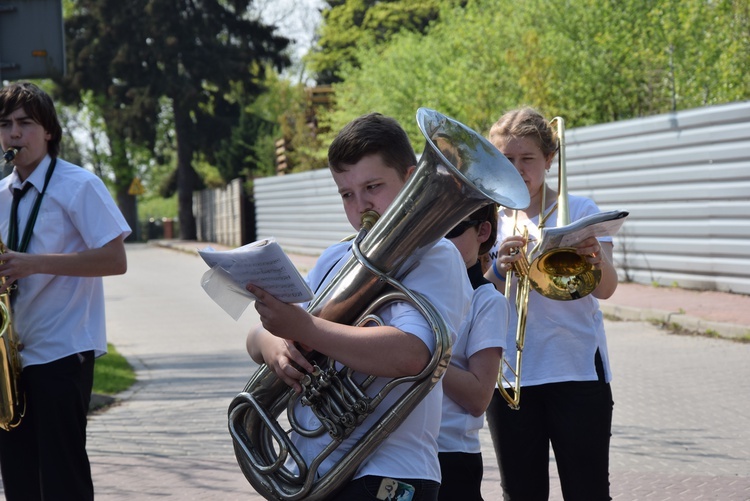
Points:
(595, 225)
(262, 263)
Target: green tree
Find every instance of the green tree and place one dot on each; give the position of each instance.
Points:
(131, 54)
(349, 25)
(239, 155)
(290, 107)
(591, 61)
(616, 60)
(458, 68)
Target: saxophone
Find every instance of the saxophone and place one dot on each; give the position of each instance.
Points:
(458, 173)
(12, 401)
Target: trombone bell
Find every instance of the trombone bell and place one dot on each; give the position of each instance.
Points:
(563, 275)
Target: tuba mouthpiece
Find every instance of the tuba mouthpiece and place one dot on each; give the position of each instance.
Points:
(369, 219)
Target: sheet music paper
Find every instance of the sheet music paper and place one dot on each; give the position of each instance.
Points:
(262, 263)
(594, 225)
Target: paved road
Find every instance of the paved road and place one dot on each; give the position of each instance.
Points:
(681, 425)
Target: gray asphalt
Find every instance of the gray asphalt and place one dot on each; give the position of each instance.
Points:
(681, 423)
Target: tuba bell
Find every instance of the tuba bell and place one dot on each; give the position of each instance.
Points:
(458, 173)
(12, 400)
(561, 274)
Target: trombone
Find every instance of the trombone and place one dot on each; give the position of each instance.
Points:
(561, 273)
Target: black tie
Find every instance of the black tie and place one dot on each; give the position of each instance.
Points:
(18, 194)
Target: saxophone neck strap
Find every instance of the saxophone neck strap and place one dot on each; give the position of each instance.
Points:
(13, 229)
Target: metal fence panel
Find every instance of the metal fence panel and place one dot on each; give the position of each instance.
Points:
(219, 215)
(301, 211)
(684, 177)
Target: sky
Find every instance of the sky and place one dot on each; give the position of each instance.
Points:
(296, 20)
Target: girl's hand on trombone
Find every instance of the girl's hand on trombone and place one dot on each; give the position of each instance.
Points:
(599, 254)
(592, 250)
(511, 250)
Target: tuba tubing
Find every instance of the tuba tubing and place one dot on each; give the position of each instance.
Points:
(458, 173)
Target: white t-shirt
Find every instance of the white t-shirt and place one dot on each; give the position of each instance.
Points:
(410, 451)
(484, 327)
(562, 337)
(55, 316)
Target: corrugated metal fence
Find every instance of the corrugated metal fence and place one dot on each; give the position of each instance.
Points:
(302, 211)
(684, 177)
(219, 214)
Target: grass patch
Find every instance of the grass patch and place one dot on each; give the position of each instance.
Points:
(676, 328)
(112, 373)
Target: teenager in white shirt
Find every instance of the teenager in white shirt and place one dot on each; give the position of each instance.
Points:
(566, 398)
(64, 233)
(370, 160)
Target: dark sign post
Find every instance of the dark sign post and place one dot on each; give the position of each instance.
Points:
(32, 43)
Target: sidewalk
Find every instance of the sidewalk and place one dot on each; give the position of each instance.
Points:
(720, 314)
(680, 428)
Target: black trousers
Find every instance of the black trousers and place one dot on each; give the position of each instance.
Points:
(461, 476)
(45, 458)
(366, 488)
(576, 418)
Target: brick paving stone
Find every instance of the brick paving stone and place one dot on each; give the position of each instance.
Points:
(681, 427)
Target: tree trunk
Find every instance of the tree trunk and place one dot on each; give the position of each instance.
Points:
(186, 176)
(123, 177)
(127, 205)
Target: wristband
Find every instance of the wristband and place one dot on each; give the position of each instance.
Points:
(495, 270)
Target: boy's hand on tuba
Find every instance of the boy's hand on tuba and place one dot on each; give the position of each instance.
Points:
(281, 319)
(285, 322)
(286, 360)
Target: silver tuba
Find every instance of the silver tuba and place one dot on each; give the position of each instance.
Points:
(458, 173)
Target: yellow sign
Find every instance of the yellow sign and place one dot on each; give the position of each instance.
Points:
(136, 188)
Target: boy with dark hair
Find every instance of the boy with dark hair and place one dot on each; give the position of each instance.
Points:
(64, 232)
(372, 134)
(371, 159)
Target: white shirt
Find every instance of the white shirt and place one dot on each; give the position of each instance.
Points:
(56, 316)
(562, 337)
(484, 327)
(410, 451)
